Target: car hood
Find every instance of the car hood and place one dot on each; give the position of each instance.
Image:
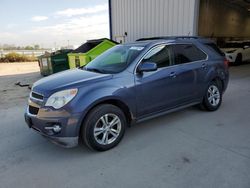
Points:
(74, 78)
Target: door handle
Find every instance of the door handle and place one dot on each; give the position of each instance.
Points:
(172, 75)
(204, 66)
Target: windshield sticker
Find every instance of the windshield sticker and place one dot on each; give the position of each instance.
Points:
(136, 48)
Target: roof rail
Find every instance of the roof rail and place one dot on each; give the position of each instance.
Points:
(169, 38)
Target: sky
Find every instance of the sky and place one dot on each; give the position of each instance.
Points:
(52, 23)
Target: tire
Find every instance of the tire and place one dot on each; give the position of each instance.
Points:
(98, 133)
(238, 59)
(213, 96)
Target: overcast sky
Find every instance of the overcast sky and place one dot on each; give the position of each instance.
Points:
(46, 22)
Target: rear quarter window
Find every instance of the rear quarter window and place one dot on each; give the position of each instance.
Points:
(213, 47)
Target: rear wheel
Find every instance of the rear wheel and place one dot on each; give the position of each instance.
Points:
(104, 127)
(213, 97)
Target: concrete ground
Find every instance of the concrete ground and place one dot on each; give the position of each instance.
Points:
(189, 148)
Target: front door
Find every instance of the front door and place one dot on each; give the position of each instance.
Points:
(157, 90)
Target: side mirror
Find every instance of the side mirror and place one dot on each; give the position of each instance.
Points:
(147, 67)
(246, 47)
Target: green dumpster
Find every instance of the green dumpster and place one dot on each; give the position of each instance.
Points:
(89, 51)
(59, 60)
(44, 62)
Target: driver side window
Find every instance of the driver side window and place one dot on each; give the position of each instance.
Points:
(159, 55)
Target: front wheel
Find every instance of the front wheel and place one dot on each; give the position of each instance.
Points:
(213, 97)
(104, 127)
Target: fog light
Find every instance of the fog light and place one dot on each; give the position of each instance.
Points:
(55, 128)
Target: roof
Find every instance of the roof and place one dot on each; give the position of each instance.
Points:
(176, 38)
(171, 38)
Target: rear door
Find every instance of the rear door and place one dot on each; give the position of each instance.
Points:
(192, 67)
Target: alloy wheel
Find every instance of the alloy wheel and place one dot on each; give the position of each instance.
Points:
(107, 129)
(213, 95)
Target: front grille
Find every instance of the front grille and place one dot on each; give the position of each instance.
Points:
(33, 110)
(37, 96)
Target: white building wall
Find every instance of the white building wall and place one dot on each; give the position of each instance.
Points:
(149, 18)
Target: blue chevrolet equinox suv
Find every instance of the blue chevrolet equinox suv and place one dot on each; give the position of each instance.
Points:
(127, 84)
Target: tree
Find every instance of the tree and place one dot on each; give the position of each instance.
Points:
(29, 48)
(37, 47)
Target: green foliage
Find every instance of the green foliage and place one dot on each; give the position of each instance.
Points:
(29, 48)
(36, 47)
(15, 57)
(13, 47)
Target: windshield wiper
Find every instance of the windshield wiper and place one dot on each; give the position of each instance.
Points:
(94, 70)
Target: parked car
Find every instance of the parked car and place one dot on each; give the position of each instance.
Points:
(127, 84)
(237, 52)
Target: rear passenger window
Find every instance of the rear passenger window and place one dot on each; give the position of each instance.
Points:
(159, 55)
(185, 53)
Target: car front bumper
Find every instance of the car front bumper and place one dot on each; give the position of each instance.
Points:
(67, 136)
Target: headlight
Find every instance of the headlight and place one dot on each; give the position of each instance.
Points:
(61, 98)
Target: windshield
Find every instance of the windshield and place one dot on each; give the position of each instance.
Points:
(114, 60)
